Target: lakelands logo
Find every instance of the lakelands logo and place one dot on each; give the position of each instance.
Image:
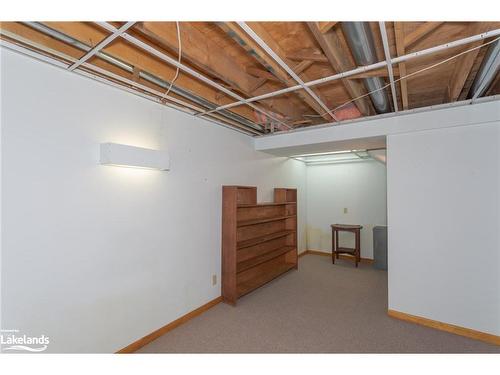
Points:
(11, 340)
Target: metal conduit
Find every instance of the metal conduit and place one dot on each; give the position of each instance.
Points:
(360, 40)
(487, 71)
(147, 76)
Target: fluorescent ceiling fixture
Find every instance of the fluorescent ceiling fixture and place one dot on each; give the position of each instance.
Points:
(335, 157)
(136, 157)
(325, 153)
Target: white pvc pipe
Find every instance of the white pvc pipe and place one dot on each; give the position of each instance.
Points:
(383, 32)
(281, 63)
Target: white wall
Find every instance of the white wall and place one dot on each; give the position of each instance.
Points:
(443, 216)
(94, 256)
(359, 187)
(370, 132)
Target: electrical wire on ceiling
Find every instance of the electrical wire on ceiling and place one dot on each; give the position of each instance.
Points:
(415, 73)
(179, 43)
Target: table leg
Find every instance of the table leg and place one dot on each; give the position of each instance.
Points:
(357, 247)
(337, 244)
(333, 246)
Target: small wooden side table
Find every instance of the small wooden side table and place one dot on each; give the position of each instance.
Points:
(336, 249)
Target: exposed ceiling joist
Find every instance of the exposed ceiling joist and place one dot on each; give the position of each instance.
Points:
(387, 54)
(334, 48)
(461, 70)
(324, 27)
(420, 32)
(104, 75)
(101, 45)
(300, 67)
(272, 51)
(375, 66)
(400, 49)
(186, 69)
(137, 58)
(375, 73)
(290, 64)
(307, 54)
(207, 56)
(243, 39)
(261, 73)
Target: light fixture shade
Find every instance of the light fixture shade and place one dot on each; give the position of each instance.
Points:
(131, 156)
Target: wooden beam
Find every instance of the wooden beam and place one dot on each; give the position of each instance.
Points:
(336, 50)
(400, 49)
(324, 27)
(300, 67)
(311, 54)
(375, 73)
(420, 32)
(241, 37)
(301, 122)
(265, 75)
(461, 70)
(258, 84)
(261, 73)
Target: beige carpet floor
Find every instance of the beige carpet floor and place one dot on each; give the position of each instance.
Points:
(321, 308)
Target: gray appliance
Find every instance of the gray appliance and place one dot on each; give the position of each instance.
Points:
(380, 247)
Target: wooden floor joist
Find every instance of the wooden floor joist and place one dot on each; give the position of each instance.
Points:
(225, 54)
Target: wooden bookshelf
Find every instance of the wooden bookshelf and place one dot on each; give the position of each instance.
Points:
(259, 240)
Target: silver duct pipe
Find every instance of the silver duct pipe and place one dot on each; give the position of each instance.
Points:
(147, 76)
(360, 39)
(487, 71)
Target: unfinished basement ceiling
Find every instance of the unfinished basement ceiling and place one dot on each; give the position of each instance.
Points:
(227, 62)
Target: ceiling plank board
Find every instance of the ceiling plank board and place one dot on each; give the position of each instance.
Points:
(332, 46)
(200, 51)
(400, 50)
(420, 32)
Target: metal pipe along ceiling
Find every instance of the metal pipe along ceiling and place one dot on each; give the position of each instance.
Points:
(147, 76)
(487, 71)
(360, 40)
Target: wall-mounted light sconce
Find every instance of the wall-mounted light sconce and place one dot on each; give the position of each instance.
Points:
(135, 157)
